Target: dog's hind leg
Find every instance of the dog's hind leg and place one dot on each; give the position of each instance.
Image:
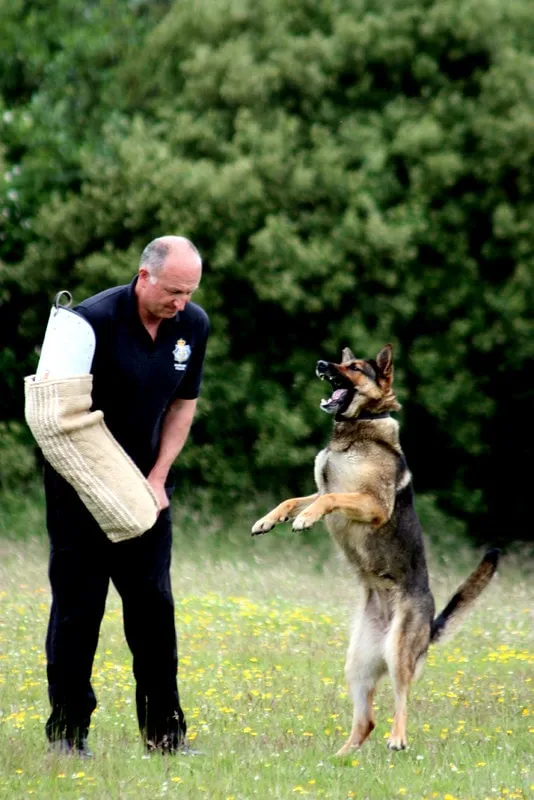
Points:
(406, 644)
(363, 716)
(287, 510)
(397, 738)
(364, 667)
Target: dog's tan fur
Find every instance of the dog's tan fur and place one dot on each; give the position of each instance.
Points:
(365, 498)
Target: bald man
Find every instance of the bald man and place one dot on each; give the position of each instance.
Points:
(147, 371)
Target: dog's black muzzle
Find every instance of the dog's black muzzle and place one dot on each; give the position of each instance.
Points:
(326, 370)
(342, 388)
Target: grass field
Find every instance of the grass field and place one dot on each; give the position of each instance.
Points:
(262, 631)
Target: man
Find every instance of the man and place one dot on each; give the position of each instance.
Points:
(147, 370)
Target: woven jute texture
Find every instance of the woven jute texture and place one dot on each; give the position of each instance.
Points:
(78, 444)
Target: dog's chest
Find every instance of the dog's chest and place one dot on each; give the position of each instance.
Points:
(347, 472)
(339, 472)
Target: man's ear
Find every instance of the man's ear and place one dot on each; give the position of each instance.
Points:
(347, 355)
(385, 361)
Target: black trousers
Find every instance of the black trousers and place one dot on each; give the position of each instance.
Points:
(82, 563)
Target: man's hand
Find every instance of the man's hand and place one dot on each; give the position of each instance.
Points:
(176, 426)
(159, 488)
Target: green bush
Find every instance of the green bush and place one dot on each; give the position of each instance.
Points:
(17, 464)
(353, 173)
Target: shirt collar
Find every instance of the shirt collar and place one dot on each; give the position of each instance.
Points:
(131, 301)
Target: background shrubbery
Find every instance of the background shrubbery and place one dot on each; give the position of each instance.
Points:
(353, 172)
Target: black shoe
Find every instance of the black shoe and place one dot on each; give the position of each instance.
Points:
(182, 749)
(82, 751)
(64, 747)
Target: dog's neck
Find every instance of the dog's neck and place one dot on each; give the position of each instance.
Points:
(363, 415)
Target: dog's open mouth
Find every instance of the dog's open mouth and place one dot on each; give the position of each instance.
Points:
(342, 389)
(338, 402)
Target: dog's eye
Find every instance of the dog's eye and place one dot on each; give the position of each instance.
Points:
(354, 368)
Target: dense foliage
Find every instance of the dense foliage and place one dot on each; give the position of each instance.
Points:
(353, 172)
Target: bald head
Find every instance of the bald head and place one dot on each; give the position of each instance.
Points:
(155, 254)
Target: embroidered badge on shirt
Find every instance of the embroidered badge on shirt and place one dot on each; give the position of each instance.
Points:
(181, 353)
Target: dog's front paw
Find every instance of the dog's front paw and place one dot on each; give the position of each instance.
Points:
(263, 525)
(304, 521)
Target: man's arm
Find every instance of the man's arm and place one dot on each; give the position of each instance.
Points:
(174, 434)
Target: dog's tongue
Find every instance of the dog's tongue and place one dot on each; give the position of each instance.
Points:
(334, 401)
(338, 394)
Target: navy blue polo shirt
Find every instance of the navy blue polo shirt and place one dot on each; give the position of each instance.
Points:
(135, 378)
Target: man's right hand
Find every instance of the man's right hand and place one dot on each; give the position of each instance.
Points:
(159, 489)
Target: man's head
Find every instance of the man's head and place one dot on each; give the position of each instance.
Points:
(169, 272)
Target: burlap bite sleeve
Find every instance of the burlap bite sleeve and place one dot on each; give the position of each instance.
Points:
(77, 443)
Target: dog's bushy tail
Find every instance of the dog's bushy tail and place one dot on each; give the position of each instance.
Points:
(461, 602)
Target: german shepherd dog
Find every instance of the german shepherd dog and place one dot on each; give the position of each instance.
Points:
(365, 496)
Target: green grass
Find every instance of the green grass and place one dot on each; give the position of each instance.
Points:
(262, 627)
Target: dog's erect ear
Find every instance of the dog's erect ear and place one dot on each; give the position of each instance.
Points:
(385, 361)
(347, 355)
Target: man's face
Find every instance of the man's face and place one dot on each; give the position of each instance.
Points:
(163, 295)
